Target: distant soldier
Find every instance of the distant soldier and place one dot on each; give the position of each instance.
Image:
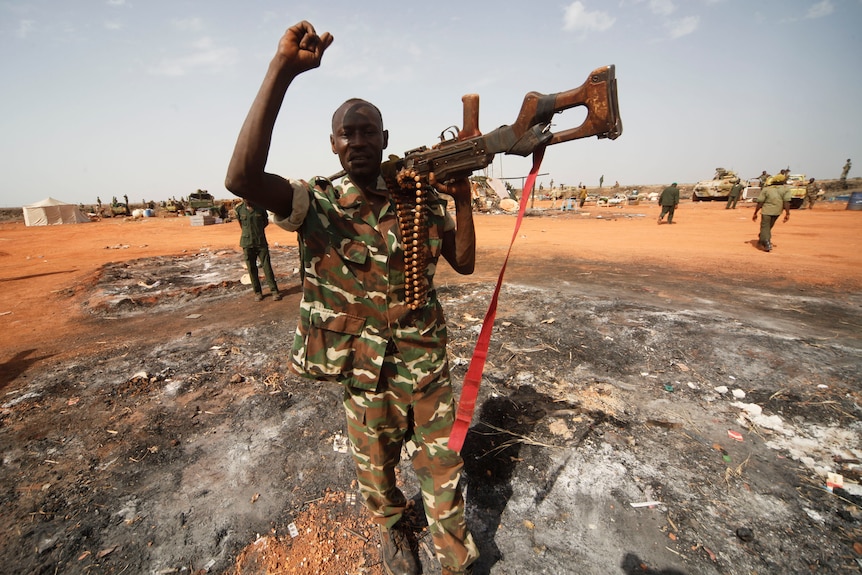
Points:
(733, 196)
(668, 201)
(763, 177)
(811, 191)
(844, 172)
(582, 196)
(772, 200)
(253, 219)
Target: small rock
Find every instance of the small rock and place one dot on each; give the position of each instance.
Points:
(745, 534)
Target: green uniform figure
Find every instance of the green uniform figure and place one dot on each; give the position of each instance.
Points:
(811, 191)
(668, 200)
(733, 196)
(844, 171)
(253, 219)
(771, 201)
(370, 319)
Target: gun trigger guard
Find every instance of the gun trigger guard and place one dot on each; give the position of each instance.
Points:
(453, 131)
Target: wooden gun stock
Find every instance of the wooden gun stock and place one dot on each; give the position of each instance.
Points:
(598, 94)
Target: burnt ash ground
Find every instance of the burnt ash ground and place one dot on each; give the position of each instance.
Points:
(176, 436)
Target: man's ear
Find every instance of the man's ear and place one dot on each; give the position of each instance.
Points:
(385, 139)
(332, 143)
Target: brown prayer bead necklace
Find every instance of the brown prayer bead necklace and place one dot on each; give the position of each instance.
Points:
(410, 208)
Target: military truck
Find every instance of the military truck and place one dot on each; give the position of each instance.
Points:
(173, 206)
(798, 190)
(201, 200)
(718, 188)
(120, 208)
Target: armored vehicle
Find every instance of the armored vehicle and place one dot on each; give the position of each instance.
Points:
(201, 200)
(717, 188)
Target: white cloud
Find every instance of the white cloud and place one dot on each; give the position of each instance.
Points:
(577, 17)
(206, 58)
(113, 25)
(662, 7)
(24, 28)
(821, 9)
(188, 24)
(683, 26)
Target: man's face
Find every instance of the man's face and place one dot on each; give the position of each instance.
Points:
(358, 138)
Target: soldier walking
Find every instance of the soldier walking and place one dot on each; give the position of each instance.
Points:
(668, 201)
(772, 200)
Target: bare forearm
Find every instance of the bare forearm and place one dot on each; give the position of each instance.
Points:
(246, 176)
(299, 50)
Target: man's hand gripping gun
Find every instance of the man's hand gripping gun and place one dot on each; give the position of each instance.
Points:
(468, 150)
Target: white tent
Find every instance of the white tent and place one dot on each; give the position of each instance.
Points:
(51, 212)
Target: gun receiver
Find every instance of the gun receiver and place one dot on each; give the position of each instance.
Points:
(467, 150)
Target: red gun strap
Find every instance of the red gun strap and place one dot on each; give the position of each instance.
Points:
(470, 389)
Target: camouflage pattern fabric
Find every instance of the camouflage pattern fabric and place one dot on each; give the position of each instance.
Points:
(419, 417)
(353, 288)
(356, 329)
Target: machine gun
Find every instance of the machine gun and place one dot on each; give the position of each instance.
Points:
(466, 150)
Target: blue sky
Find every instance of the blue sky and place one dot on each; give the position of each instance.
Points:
(146, 97)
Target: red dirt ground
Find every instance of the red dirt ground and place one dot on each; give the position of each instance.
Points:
(821, 247)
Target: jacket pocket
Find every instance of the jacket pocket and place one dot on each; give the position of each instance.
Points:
(329, 344)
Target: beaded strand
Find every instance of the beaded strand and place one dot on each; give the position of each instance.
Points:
(410, 206)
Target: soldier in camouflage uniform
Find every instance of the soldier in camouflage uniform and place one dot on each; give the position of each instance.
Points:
(361, 324)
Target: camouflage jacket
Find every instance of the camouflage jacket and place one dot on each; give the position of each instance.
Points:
(353, 300)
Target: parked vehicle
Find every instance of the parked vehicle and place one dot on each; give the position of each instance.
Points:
(201, 200)
(717, 188)
(751, 190)
(798, 190)
(618, 199)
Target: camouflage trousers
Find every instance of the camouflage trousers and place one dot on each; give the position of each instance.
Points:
(399, 413)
